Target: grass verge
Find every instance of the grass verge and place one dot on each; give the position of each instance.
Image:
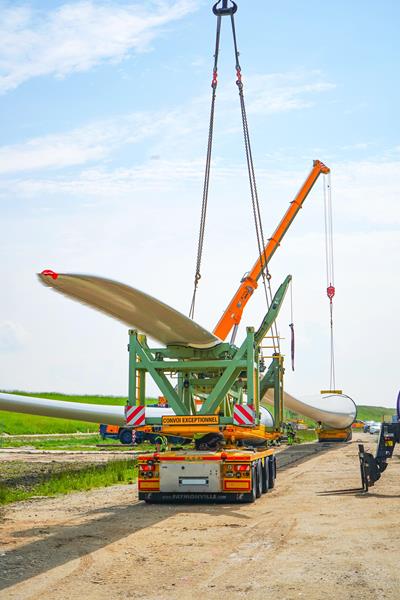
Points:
(306, 435)
(71, 443)
(70, 479)
(88, 444)
(375, 413)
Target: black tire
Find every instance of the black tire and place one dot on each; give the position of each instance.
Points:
(253, 483)
(125, 436)
(210, 441)
(271, 472)
(265, 475)
(259, 479)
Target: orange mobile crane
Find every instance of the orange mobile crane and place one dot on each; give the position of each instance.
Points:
(233, 312)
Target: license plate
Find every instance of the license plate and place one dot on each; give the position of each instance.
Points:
(193, 480)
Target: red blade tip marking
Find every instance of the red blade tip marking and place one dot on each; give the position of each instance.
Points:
(49, 273)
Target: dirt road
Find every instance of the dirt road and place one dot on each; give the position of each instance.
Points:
(63, 456)
(314, 537)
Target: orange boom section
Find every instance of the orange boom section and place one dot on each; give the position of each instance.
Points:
(233, 312)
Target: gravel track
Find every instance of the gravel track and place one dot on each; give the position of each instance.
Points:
(314, 536)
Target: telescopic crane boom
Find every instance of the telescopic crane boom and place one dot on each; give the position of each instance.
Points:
(233, 313)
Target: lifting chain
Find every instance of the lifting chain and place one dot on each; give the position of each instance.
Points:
(227, 9)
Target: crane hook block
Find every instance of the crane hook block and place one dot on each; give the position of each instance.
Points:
(224, 9)
(330, 292)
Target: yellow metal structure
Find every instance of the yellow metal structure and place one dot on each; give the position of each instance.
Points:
(231, 433)
(334, 435)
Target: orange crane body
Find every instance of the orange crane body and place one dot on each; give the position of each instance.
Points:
(233, 313)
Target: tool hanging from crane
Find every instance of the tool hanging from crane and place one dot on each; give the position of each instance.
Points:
(228, 8)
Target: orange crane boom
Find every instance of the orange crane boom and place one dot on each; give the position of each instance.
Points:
(233, 313)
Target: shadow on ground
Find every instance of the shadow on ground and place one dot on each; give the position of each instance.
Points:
(60, 544)
(356, 492)
(294, 455)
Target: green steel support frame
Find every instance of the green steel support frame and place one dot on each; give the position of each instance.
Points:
(218, 379)
(220, 375)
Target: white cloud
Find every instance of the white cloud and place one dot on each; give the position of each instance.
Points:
(358, 146)
(120, 182)
(281, 92)
(12, 337)
(77, 36)
(365, 193)
(99, 140)
(368, 191)
(74, 148)
(89, 143)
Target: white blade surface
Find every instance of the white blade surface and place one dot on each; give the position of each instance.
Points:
(335, 410)
(133, 307)
(93, 413)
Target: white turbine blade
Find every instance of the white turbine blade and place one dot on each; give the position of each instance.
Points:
(133, 307)
(335, 410)
(78, 411)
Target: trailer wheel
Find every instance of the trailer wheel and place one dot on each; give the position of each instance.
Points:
(125, 436)
(253, 492)
(210, 441)
(271, 472)
(259, 479)
(265, 475)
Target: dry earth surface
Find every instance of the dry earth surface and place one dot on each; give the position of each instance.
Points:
(33, 456)
(315, 536)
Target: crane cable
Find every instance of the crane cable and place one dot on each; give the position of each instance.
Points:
(206, 184)
(330, 271)
(266, 277)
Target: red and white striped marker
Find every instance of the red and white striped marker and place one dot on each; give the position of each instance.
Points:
(135, 415)
(243, 414)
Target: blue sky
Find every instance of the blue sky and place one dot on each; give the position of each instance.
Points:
(104, 109)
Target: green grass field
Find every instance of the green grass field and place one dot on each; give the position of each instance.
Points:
(68, 443)
(375, 413)
(306, 435)
(88, 443)
(21, 483)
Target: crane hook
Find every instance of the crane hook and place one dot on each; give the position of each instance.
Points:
(225, 9)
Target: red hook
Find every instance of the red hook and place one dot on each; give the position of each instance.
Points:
(330, 291)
